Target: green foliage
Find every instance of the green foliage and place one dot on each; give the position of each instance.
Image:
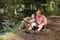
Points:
(9, 26)
(14, 11)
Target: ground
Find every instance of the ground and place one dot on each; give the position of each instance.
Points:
(52, 32)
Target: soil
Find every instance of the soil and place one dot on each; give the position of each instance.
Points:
(52, 32)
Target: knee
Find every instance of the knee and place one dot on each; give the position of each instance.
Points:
(40, 26)
(33, 24)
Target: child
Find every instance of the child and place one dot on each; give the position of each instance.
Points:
(32, 22)
(32, 19)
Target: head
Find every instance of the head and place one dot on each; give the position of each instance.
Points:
(33, 16)
(38, 13)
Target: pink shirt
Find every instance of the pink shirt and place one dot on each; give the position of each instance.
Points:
(41, 19)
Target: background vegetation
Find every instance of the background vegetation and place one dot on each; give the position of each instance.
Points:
(13, 11)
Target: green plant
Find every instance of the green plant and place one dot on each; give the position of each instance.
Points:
(9, 26)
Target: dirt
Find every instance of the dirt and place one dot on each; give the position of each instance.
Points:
(52, 32)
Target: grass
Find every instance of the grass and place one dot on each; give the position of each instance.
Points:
(9, 36)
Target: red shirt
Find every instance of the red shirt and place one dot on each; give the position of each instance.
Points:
(41, 20)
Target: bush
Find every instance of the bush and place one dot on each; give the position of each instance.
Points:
(9, 26)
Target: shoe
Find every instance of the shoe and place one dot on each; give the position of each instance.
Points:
(27, 31)
(39, 30)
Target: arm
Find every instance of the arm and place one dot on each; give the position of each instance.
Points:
(44, 21)
(26, 19)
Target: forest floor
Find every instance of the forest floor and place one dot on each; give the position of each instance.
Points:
(52, 32)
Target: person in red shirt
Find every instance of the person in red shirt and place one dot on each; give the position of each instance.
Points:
(41, 21)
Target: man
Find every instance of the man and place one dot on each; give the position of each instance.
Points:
(41, 21)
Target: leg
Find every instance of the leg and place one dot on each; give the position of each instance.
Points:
(32, 25)
(22, 25)
(40, 27)
(30, 28)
